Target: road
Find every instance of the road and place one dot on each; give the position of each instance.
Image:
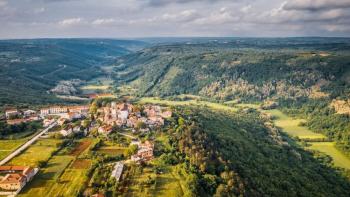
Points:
(26, 145)
(126, 135)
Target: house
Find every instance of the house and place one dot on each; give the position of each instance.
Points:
(16, 177)
(81, 109)
(166, 114)
(135, 142)
(66, 132)
(74, 115)
(106, 130)
(61, 121)
(13, 182)
(123, 115)
(29, 112)
(144, 153)
(11, 113)
(47, 122)
(53, 110)
(117, 171)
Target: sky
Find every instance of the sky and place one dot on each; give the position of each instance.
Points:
(173, 18)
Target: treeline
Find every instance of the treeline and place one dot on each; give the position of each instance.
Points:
(227, 154)
(6, 130)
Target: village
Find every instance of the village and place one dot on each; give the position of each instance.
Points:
(121, 118)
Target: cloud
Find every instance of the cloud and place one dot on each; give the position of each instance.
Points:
(315, 5)
(103, 21)
(3, 3)
(71, 21)
(246, 9)
(166, 2)
(223, 16)
(184, 16)
(39, 10)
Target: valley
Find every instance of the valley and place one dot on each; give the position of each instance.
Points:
(244, 116)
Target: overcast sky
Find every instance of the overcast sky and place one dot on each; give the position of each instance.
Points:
(153, 18)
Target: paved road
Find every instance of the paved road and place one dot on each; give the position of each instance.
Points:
(26, 145)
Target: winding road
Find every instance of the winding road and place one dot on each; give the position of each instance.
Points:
(26, 145)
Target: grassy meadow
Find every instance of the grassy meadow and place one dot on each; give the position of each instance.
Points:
(291, 125)
(217, 106)
(8, 146)
(328, 148)
(166, 184)
(41, 150)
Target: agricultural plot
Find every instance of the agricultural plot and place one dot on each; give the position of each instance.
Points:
(328, 148)
(39, 151)
(63, 175)
(165, 184)
(81, 147)
(8, 146)
(112, 150)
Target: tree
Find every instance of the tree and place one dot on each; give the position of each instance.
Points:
(131, 150)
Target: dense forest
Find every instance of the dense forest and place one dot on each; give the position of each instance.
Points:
(241, 154)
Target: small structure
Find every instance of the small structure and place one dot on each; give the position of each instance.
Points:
(66, 132)
(106, 130)
(29, 112)
(144, 153)
(11, 113)
(15, 177)
(117, 171)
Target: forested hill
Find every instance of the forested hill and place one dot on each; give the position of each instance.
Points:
(253, 69)
(306, 77)
(243, 154)
(29, 68)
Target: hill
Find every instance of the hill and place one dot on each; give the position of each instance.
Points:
(29, 68)
(242, 154)
(252, 69)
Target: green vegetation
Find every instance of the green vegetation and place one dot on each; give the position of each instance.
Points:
(249, 153)
(339, 158)
(29, 68)
(19, 130)
(292, 126)
(38, 153)
(8, 146)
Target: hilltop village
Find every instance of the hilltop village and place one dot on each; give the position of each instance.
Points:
(123, 119)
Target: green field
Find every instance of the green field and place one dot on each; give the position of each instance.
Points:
(218, 106)
(166, 184)
(112, 150)
(47, 177)
(329, 148)
(8, 146)
(60, 177)
(291, 126)
(39, 151)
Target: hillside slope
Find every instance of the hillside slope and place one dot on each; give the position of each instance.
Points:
(253, 69)
(243, 154)
(29, 68)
